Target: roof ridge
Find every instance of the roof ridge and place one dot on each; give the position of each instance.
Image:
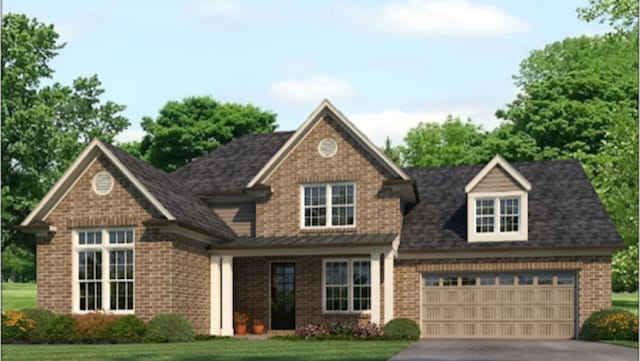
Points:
(570, 160)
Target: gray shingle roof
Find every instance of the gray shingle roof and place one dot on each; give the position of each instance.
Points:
(310, 241)
(231, 167)
(174, 196)
(564, 209)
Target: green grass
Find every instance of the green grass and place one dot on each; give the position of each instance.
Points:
(223, 349)
(632, 344)
(17, 296)
(626, 301)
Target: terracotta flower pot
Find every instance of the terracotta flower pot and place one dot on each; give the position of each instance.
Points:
(241, 329)
(258, 329)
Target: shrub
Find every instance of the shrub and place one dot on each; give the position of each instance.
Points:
(61, 329)
(93, 326)
(340, 329)
(402, 329)
(169, 328)
(41, 318)
(16, 326)
(127, 329)
(370, 330)
(610, 324)
(624, 270)
(311, 331)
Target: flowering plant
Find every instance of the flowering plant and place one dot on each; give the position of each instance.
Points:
(16, 325)
(240, 318)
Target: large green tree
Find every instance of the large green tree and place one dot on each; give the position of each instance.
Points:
(44, 127)
(188, 129)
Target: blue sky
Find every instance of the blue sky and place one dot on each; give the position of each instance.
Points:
(386, 64)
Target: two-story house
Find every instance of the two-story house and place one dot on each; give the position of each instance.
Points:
(319, 226)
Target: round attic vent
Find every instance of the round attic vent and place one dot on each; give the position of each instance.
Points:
(102, 183)
(327, 147)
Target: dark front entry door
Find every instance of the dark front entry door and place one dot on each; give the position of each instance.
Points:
(283, 296)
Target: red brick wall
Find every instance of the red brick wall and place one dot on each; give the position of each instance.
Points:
(375, 212)
(594, 277)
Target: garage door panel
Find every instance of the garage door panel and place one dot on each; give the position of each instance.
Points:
(498, 311)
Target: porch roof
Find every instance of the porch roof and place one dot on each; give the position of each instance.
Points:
(341, 240)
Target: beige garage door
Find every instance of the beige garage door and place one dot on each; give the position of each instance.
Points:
(513, 305)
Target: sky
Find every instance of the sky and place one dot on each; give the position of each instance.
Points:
(387, 65)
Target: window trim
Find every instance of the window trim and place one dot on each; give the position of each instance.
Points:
(496, 235)
(105, 248)
(350, 286)
(328, 205)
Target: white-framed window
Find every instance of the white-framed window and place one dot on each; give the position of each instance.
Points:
(328, 205)
(103, 270)
(499, 216)
(346, 285)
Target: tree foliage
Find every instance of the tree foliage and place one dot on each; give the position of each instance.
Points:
(188, 129)
(44, 126)
(622, 15)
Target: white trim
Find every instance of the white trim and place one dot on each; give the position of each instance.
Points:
(216, 297)
(350, 285)
(498, 160)
(64, 194)
(94, 180)
(305, 128)
(335, 147)
(311, 251)
(328, 205)
(389, 259)
(496, 235)
(188, 233)
(374, 281)
(227, 296)
(105, 247)
(70, 177)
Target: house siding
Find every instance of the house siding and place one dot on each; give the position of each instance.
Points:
(240, 216)
(497, 180)
(593, 274)
(376, 211)
(163, 262)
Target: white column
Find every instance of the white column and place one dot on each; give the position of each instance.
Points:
(227, 296)
(216, 300)
(388, 286)
(375, 287)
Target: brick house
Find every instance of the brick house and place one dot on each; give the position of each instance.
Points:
(318, 226)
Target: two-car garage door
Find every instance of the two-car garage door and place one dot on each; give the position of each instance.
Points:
(506, 305)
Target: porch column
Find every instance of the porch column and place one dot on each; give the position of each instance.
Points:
(388, 286)
(216, 300)
(375, 287)
(227, 296)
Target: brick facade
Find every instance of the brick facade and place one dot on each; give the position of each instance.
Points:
(171, 275)
(593, 275)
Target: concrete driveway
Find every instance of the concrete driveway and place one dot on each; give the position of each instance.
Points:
(503, 350)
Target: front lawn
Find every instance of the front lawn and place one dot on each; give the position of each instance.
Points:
(222, 349)
(17, 296)
(626, 301)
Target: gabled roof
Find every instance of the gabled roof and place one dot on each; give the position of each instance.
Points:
(564, 209)
(324, 108)
(230, 167)
(498, 161)
(168, 196)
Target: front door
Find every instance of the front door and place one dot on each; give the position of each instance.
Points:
(283, 296)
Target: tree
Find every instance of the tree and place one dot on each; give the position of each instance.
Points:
(450, 143)
(44, 126)
(188, 129)
(622, 15)
(393, 153)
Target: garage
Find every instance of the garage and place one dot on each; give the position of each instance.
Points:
(535, 305)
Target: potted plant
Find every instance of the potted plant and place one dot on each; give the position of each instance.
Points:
(240, 320)
(258, 327)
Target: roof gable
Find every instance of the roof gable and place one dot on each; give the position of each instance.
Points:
(325, 108)
(507, 169)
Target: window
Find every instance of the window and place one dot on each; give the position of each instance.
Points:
(509, 214)
(497, 216)
(485, 215)
(468, 280)
(486, 219)
(104, 271)
(525, 280)
(431, 281)
(450, 280)
(329, 205)
(487, 280)
(506, 280)
(347, 285)
(565, 279)
(545, 279)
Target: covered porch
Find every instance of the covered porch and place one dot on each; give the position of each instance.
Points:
(288, 282)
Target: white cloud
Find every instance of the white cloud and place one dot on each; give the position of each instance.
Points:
(129, 135)
(312, 90)
(219, 8)
(436, 17)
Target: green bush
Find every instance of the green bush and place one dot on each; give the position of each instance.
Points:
(610, 324)
(41, 318)
(402, 329)
(624, 270)
(169, 328)
(93, 326)
(61, 329)
(16, 326)
(127, 329)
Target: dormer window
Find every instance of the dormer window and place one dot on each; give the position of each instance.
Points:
(328, 205)
(497, 204)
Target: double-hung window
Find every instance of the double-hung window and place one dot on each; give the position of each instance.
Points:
(103, 270)
(328, 205)
(347, 285)
(498, 217)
